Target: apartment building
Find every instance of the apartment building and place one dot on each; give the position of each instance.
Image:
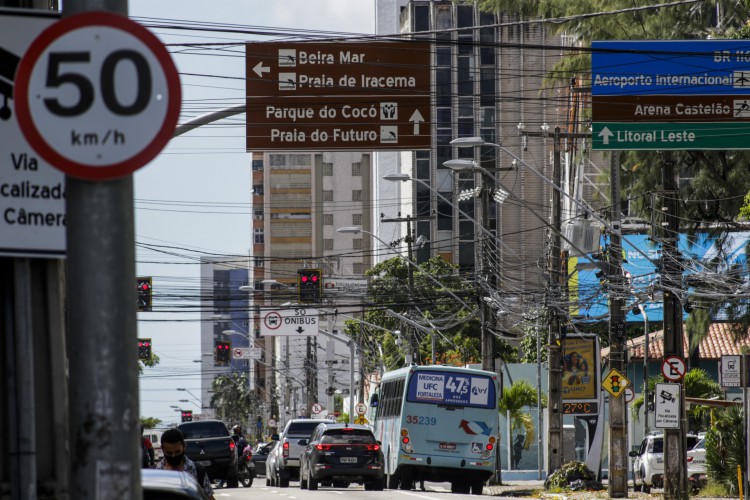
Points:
(299, 200)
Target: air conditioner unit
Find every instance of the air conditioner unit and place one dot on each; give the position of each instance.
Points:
(258, 217)
(583, 234)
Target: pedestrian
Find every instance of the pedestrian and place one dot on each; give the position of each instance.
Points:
(147, 451)
(173, 446)
(517, 449)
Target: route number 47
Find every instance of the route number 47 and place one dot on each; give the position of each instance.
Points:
(57, 76)
(457, 385)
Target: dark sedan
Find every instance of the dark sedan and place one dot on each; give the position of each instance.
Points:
(260, 454)
(341, 454)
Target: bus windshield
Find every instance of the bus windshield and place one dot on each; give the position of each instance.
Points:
(453, 389)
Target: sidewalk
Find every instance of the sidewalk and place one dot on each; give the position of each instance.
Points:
(535, 489)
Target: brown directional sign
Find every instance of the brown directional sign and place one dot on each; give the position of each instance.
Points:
(338, 96)
(672, 108)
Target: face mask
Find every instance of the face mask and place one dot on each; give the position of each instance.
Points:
(174, 460)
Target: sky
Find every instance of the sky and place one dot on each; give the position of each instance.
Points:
(195, 196)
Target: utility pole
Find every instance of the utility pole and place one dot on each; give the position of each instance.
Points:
(487, 340)
(555, 279)
(675, 454)
(554, 357)
(618, 429)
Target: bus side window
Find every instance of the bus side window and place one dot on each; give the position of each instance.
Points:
(387, 399)
(400, 396)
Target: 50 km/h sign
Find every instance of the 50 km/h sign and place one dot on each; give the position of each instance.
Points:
(97, 95)
(338, 96)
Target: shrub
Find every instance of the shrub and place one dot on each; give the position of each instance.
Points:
(572, 476)
(725, 448)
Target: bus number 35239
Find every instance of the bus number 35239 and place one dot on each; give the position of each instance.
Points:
(413, 419)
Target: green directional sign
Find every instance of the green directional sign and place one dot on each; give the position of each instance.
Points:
(663, 136)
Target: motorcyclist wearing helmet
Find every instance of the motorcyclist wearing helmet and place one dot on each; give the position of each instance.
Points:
(239, 439)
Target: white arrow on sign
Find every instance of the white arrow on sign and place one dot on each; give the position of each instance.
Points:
(416, 119)
(260, 69)
(605, 134)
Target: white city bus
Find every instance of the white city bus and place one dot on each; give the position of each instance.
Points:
(437, 423)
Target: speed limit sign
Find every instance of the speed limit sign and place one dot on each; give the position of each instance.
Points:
(97, 95)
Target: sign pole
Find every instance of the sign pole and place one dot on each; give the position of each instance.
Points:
(99, 141)
(101, 265)
(675, 454)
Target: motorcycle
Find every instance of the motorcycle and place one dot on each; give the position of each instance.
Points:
(246, 467)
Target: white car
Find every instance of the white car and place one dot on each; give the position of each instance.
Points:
(696, 464)
(648, 462)
(271, 470)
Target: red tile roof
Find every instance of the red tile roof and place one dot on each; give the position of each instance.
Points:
(718, 341)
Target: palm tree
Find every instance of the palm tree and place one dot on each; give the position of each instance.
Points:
(725, 448)
(518, 395)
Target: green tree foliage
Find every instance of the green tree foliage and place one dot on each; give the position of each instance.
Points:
(725, 448)
(515, 398)
(231, 398)
(150, 422)
(456, 329)
(148, 363)
(536, 325)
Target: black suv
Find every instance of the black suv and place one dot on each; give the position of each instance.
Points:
(340, 454)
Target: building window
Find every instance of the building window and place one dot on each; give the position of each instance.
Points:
(357, 244)
(328, 219)
(257, 189)
(258, 232)
(356, 169)
(327, 244)
(327, 195)
(257, 164)
(259, 262)
(359, 269)
(258, 214)
(357, 195)
(328, 169)
(356, 219)
(277, 160)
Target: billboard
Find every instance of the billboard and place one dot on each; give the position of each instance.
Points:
(705, 256)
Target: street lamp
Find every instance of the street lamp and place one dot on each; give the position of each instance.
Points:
(194, 396)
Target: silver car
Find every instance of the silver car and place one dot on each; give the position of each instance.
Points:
(272, 473)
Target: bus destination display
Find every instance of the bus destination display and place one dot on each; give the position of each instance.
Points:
(451, 389)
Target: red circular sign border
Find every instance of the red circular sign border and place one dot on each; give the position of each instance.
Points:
(21, 95)
(665, 363)
(269, 326)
